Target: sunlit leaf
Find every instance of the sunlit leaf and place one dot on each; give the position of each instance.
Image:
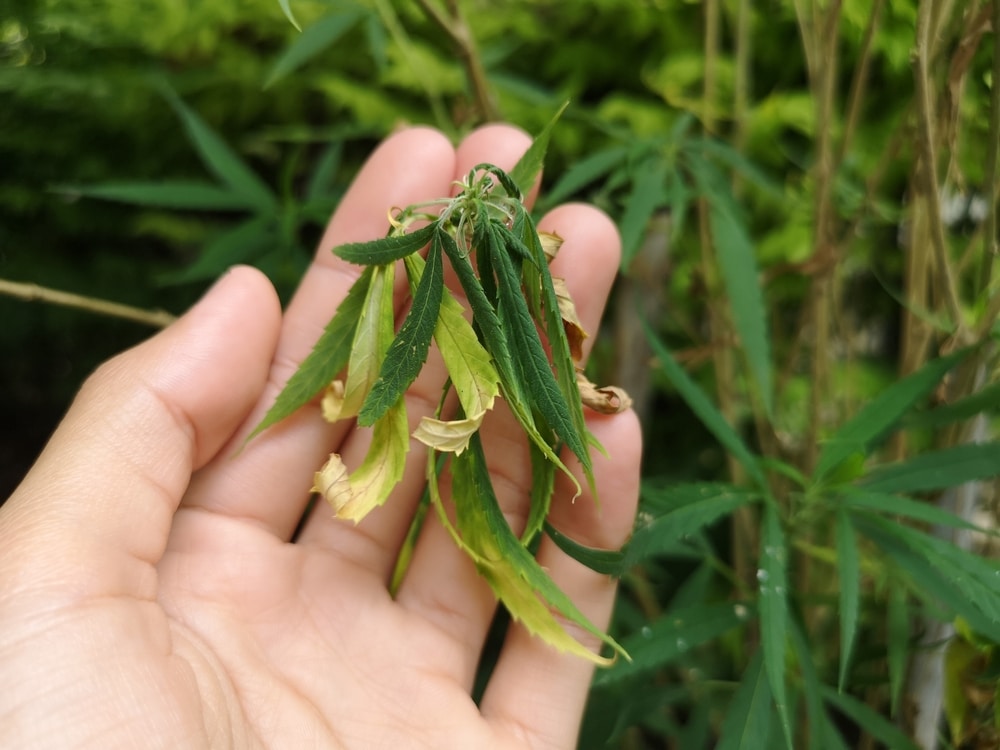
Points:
(543, 481)
(287, 8)
(406, 355)
(849, 570)
(313, 40)
(747, 725)
(882, 413)
(328, 357)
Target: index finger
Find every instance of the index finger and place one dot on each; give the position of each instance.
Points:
(268, 483)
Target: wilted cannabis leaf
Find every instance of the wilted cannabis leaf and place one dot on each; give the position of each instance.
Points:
(512, 296)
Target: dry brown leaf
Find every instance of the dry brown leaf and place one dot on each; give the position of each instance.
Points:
(606, 400)
(551, 242)
(571, 322)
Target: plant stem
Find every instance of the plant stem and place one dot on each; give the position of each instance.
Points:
(36, 293)
(456, 27)
(992, 159)
(927, 164)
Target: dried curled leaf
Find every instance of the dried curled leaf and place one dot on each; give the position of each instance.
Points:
(608, 399)
(332, 404)
(448, 437)
(353, 495)
(551, 243)
(575, 334)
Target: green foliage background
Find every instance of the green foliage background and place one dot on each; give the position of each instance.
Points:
(783, 304)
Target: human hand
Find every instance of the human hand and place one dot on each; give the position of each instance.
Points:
(151, 592)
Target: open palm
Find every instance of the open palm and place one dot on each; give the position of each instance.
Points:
(160, 588)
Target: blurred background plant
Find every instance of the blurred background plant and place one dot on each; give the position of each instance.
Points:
(806, 314)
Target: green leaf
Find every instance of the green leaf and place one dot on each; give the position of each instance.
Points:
(241, 244)
(325, 361)
(543, 484)
(386, 249)
(177, 194)
(897, 641)
(529, 355)
(985, 401)
(318, 37)
(873, 723)
(882, 413)
(408, 351)
(898, 505)
(514, 575)
(605, 561)
(553, 325)
(220, 159)
(849, 570)
(773, 577)
(585, 171)
(530, 164)
(819, 738)
(372, 338)
(485, 318)
(470, 368)
(647, 195)
(747, 725)
(738, 268)
(937, 470)
(320, 184)
(287, 8)
(703, 408)
(696, 507)
(672, 636)
(939, 571)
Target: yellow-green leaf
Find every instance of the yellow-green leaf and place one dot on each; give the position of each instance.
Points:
(372, 337)
(515, 576)
(354, 495)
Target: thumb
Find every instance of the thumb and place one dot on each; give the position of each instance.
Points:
(112, 475)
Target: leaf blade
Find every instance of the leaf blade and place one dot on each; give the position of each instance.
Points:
(328, 357)
(408, 351)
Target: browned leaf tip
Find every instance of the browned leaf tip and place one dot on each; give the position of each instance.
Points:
(607, 400)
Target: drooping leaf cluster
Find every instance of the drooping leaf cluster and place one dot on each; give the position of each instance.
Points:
(490, 241)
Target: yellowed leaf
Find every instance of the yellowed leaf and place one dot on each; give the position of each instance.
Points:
(447, 437)
(551, 242)
(352, 496)
(333, 401)
(605, 400)
(571, 322)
